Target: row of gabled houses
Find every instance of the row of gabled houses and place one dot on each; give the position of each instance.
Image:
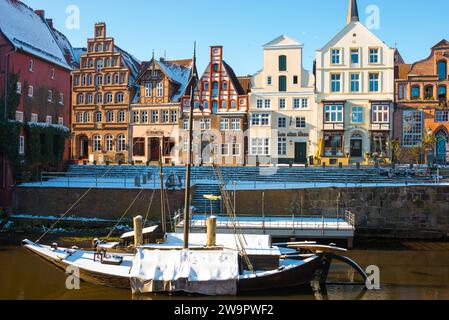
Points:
(361, 100)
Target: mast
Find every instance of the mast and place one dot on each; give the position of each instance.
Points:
(192, 83)
(161, 174)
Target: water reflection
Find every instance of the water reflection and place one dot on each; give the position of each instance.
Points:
(405, 275)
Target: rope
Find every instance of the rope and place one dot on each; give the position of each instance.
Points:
(149, 207)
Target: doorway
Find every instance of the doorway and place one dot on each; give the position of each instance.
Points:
(356, 147)
(300, 152)
(83, 147)
(155, 149)
(441, 147)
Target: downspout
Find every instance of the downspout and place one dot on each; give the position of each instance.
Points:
(6, 81)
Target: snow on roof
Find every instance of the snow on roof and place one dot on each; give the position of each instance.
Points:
(179, 73)
(131, 62)
(27, 31)
(78, 52)
(66, 46)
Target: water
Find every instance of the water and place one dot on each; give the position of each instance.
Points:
(405, 274)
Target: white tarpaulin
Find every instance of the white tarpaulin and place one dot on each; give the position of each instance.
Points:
(201, 272)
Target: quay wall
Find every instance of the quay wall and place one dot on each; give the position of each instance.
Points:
(393, 212)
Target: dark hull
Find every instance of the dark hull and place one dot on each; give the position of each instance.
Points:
(293, 278)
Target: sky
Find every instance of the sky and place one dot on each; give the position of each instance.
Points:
(244, 26)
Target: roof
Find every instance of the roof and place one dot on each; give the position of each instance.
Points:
(245, 83)
(28, 32)
(133, 64)
(283, 41)
(234, 79)
(442, 44)
(66, 47)
(353, 12)
(404, 70)
(77, 53)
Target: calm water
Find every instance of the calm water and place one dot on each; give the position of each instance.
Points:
(405, 274)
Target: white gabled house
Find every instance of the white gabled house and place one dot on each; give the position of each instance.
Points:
(355, 94)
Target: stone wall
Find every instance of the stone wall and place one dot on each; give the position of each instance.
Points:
(98, 203)
(409, 212)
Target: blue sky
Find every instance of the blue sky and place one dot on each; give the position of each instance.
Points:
(243, 26)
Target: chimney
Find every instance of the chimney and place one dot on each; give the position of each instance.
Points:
(40, 13)
(353, 12)
(50, 23)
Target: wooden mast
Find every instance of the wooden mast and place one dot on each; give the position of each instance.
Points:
(192, 83)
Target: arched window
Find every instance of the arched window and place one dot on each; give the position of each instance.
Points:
(282, 63)
(216, 67)
(80, 98)
(121, 116)
(119, 97)
(205, 86)
(121, 143)
(86, 117)
(89, 80)
(233, 104)
(442, 70)
(116, 78)
(99, 80)
(108, 62)
(205, 105)
(282, 83)
(96, 143)
(196, 105)
(442, 93)
(214, 89)
(99, 47)
(79, 117)
(98, 117)
(225, 85)
(416, 92)
(108, 97)
(107, 79)
(215, 106)
(99, 98)
(110, 116)
(109, 143)
(99, 64)
(428, 92)
(224, 104)
(90, 98)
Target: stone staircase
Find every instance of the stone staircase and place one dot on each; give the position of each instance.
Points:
(204, 206)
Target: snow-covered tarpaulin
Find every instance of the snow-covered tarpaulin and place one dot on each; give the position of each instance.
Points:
(199, 272)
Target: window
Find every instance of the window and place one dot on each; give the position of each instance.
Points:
(416, 92)
(216, 67)
(164, 116)
(282, 122)
(260, 146)
(412, 128)
(160, 90)
(98, 117)
(301, 123)
(61, 99)
(109, 143)
(282, 84)
(374, 55)
(214, 89)
(31, 66)
(354, 56)
(110, 116)
(121, 143)
(99, 64)
(61, 121)
(374, 82)
(108, 61)
(185, 124)
(260, 119)
(282, 104)
(333, 144)
(206, 86)
(336, 82)
(442, 93)
(215, 106)
(269, 80)
(224, 124)
(235, 149)
(99, 80)
(173, 116)
(296, 103)
(205, 124)
(49, 119)
(22, 145)
(267, 104)
(50, 96)
(122, 78)
(79, 117)
(19, 116)
(154, 116)
(108, 97)
(96, 143)
(295, 79)
(233, 104)
(30, 91)
(116, 79)
(282, 146)
(119, 97)
(259, 104)
(442, 70)
(355, 82)
(235, 124)
(225, 85)
(401, 93)
(99, 47)
(89, 80)
(335, 56)
(19, 88)
(90, 98)
(135, 117)
(87, 117)
(333, 113)
(441, 116)
(99, 98)
(357, 115)
(148, 89)
(35, 119)
(121, 116)
(428, 92)
(107, 79)
(381, 114)
(304, 103)
(91, 63)
(225, 149)
(282, 63)
(76, 81)
(224, 104)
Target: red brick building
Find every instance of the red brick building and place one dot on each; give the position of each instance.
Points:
(36, 69)
(422, 113)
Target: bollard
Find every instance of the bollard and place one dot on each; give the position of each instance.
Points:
(211, 225)
(138, 231)
(137, 182)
